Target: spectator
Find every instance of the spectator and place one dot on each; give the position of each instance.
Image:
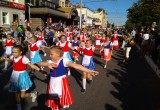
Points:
(145, 42)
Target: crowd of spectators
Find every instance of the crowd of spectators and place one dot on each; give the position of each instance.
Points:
(149, 42)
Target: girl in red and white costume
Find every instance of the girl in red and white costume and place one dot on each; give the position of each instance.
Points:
(87, 62)
(65, 45)
(103, 39)
(59, 95)
(69, 35)
(9, 43)
(20, 81)
(75, 44)
(97, 41)
(114, 40)
(34, 52)
(107, 50)
(41, 42)
(82, 39)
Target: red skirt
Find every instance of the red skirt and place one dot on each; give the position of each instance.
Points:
(107, 57)
(75, 54)
(116, 47)
(97, 46)
(102, 53)
(62, 102)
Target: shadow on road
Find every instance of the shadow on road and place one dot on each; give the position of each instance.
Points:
(109, 107)
(138, 88)
(77, 75)
(41, 100)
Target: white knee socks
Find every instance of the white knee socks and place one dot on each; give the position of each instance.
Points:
(84, 83)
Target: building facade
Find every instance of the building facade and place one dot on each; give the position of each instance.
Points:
(47, 12)
(87, 16)
(100, 19)
(12, 13)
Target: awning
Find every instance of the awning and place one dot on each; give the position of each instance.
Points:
(69, 11)
(45, 10)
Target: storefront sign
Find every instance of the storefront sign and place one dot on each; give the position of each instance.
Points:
(17, 6)
(4, 3)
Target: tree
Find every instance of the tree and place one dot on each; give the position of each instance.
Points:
(100, 9)
(143, 13)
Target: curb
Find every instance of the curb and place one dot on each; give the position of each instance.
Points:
(151, 63)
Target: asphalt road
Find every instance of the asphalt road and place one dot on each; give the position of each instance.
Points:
(132, 86)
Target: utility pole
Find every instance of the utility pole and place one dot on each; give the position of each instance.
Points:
(80, 22)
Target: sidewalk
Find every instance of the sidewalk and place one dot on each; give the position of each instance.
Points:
(151, 63)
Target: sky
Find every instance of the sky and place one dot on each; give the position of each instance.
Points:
(116, 9)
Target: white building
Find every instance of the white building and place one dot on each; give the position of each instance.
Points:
(87, 16)
(12, 12)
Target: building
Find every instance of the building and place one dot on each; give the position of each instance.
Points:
(12, 13)
(100, 19)
(87, 16)
(45, 12)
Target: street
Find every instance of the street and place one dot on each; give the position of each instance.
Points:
(132, 86)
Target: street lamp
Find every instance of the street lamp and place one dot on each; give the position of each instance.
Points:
(29, 4)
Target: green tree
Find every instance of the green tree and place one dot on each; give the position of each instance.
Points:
(100, 9)
(143, 13)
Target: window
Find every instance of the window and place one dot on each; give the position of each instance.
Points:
(5, 17)
(63, 4)
(32, 2)
(15, 1)
(15, 17)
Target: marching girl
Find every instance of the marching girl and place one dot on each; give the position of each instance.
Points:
(41, 42)
(87, 62)
(9, 43)
(97, 41)
(75, 45)
(20, 81)
(107, 50)
(114, 40)
(103, 39)
(59, 94)
(34, 52)
(65, 45)
(82, 39)
(69, 35)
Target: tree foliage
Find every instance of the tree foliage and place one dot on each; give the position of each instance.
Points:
(100, 9)
(143, 13)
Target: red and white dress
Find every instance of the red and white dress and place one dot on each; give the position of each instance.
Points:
(69, 34)
(34, 53)
(103, 39)
(65, 47)
(9, 45)
(59, 94)
(97, 41)
(20, 80)
(115, 41)
(40, 40)
(107, 51)
(76, 47)
(82, 38)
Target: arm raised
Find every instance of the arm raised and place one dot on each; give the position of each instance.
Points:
(81, 68)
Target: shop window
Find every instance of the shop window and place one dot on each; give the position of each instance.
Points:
(15, 17)
(5, 17)
(32, 2)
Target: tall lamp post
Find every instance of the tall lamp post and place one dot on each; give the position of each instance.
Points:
(29, 12)
(80, 22)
